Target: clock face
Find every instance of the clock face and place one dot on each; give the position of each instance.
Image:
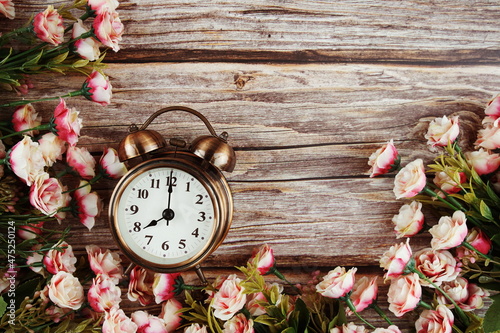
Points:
(166, 216)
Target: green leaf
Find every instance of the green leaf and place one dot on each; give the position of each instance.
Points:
(7, 57)
(3, 306)
(26, 289)
(34, 60)
(80, 63)
(303, 315)
(60, 58)
(289, 330)
(491, 318)
(470, 197)
(485, 210)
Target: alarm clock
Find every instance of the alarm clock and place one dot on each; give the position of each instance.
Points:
(174, 208)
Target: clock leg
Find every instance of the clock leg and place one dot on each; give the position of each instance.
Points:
(200, 274)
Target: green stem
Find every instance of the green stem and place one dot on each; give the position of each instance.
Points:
(280, 276)
(351, 306)
(381, 313)
(425, 305)
(431, 193)
(43, 127)
(24, 102)
(485, 256)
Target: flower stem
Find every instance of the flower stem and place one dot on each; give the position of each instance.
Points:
(24, 102)
(431, 193)
(351, 306)
(380, 312)
(485, 256)
(43, 127)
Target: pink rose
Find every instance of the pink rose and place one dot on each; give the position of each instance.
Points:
(105, 263)
(442, 131)
(229, 299)
(7, 8)
(99, 5)
(435, 321)
(26, 160)
(34, 261)
(30, 230)
(171, 315)
(108, 28)
(196, 328)
(98, 88)
(88, 204)
(147, 323)
(349, 328)
(238, 324)
(483, 161)
(404, 294)
(60, 259)
(25, 117)
(52, 148)
(390, 329)
(479, 240)
(493, 107)
(116, 321)
(80, 159)
(384, 159)
(437, 266)
(365, 292)
(140, 286)
(253, 304)
(409, 221)
(67, 123)
(48, 26)
(488, 137)
(410, 180)
(467, 296)
(103, 294)
(111, 165)
(447, 184)
(47, 194)
(263, 259)
(449, 232)
(66, 291)
(395, 259)
(337, 283)
(164, 286)
(87, 48)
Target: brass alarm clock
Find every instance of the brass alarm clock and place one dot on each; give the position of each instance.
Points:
(173, 209)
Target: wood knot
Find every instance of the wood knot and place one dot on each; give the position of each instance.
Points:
(240, 80)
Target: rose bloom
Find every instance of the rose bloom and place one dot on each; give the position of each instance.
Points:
(467, 296)
(171, 315)
(409, 221)
(34, 261)
(337, 283)
(89, 205)
(111, 164)
(410, 180)
(116, 321)
(47, 194)
(25, 117)
(390, 329)
(263, 259)
(238, 324)
(87, 48)
(26, 160)
(48, 26)
(365, 292)
(7, 8)
(447, 184)
(404, 294)
(99, 5)
(437, 266)
(67, 123)
(80, 159)
(435, 321)
(479, 240)
(163, 286)
(449, 232)
(103, 294)
(229, 299)
(384, 159)
(98, 88)
(60, 259)
(30, 231)
(349, 328)
(442, 131)
(52, 148)
(108, 28)
(395, 259)
(106, 263)
(66, 291)
(140, 286)
(488, 137)
(483, 161)
(196, 328)
(493, 107)
(147, 323)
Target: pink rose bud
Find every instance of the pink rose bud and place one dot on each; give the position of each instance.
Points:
(98, 88)
(447, 184)
(410, 180)
(439, 320)
(493, 107)
(48, 26)
(337, 283)
(467, 296)
(263, 259)
(105, 262)
(66, 291)
(111, 165)
(140, 287)
(348, 328)
(442, 131)
(48, 194)
(489, 137)
(80, 159)
(404, 294)
(395, 259)
(99, 5)
(450, 232)
(67, 123)
(164, 286)
(108, 28)
(409, 221)
(115, 320)
(437, 266)
(479, 240)
(147, 323)
(87, 48)
(30, 231)
(88, 204)
(7, 8)
(483, 161)
(384, 160)
(26, 160)
(196, 328)
(364, 294)
(239, 324)
(25, 117)
(60, 259)
(103, 294)
(171, 315)
(229, 299)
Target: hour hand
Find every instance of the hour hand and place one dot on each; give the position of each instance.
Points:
(153, 223)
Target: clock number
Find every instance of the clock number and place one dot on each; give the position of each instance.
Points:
(200, 199)
(142, 194)
(165, 246)
(202, 217)
(137, 226)
(134, 209)
(150, 237)
(171, 181)
(182, 244)
(155, 183)
(188, 185)
(195, 233)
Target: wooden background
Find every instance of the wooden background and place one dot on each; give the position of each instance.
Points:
(307, 90)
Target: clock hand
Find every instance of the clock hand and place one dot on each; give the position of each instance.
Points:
(170, 215)
(153, 223)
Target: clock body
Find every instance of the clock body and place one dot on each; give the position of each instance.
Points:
(169, 213)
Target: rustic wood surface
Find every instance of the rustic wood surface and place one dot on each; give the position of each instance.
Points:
(307, 90)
